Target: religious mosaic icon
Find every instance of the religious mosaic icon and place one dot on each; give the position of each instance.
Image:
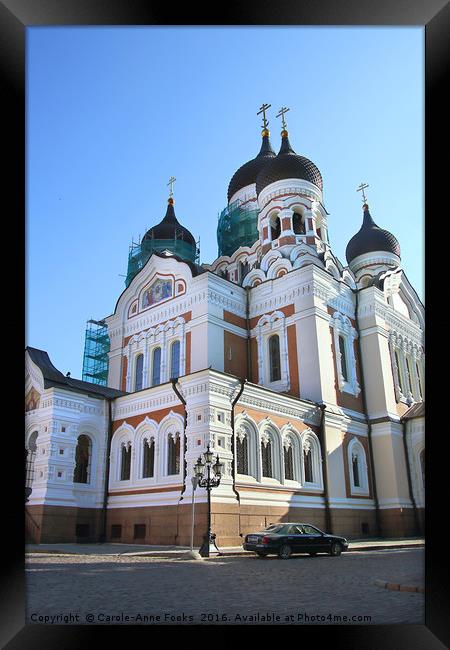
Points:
(159, 290)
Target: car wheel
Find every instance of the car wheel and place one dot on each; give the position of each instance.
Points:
(336, 549)
(261, 553)
(284, 552)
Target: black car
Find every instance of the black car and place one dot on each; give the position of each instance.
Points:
(286, 538)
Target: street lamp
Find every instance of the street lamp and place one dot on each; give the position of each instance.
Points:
(208, 482)
(29, 470)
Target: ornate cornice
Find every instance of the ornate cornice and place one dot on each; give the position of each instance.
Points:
(308, 413)
(394, 321)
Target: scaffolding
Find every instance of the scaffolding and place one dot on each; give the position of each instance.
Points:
(140, 253)
(96, 348)
(238, 226)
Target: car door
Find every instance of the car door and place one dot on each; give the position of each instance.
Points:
(298, 539)
(316, 541)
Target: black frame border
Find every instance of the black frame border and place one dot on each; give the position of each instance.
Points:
(15, 17)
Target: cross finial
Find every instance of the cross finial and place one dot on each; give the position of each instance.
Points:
(361, 188)
(263, 109)
(283, 110)
(172, 180)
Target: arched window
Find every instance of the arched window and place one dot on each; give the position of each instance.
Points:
(156, 367)
(419, 383)
(30, 455)
(175, 360)
(244, 268)
(343, 352)
(422, 465)
(82, 458)
(173, 456)
(298, 224)
(266, 457)
(242, 454)
(274, 358)
(399, 373)
(288, 463)
(148, 465)
(138, 372)
(355, 470)
(408, 368)
(125, 461)
(359, 482)
(307, 463)
(275, 227)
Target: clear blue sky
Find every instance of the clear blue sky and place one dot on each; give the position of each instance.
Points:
(112, 113)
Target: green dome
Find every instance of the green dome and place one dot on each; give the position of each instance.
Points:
(168, 235)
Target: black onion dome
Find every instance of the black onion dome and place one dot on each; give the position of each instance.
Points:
(246, 175)
(288, 164)
(169, 228)
(371, 238)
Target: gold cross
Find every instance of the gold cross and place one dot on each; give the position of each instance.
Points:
(361, 188)
(283, 110)
(172, 180)
(263, 110)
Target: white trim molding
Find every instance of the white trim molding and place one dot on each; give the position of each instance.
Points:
(267, 326)
(341, 326)
(356, 452)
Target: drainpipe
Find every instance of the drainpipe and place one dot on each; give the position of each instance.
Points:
(369, 425)
(233, 447)
(325, 468)
(183, 401)
(102, 535)
(408, 473)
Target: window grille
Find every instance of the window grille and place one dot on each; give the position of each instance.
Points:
(149, 458)
(408, 367)
(125, 468)
(116, 531)
(356, 482)
(242, 456)
(342, 350)
(288, 464)
(307, 459)
(266, 453)
(139, 531)
(274, 356)
(399, 374)
(419, 383)
(173, 463)
(82, 530)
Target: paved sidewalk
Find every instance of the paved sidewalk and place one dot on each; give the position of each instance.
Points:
(178, 551)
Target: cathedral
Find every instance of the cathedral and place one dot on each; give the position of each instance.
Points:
(303, 375)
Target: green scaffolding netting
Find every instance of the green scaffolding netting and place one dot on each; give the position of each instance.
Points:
(140, 253)
(238, 226)
(96, 348)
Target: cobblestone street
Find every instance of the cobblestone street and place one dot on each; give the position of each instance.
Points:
(104, 589)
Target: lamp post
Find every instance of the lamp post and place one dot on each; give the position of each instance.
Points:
(208, 482)
(29, 467)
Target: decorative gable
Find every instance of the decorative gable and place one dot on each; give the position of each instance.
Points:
(32, 400)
